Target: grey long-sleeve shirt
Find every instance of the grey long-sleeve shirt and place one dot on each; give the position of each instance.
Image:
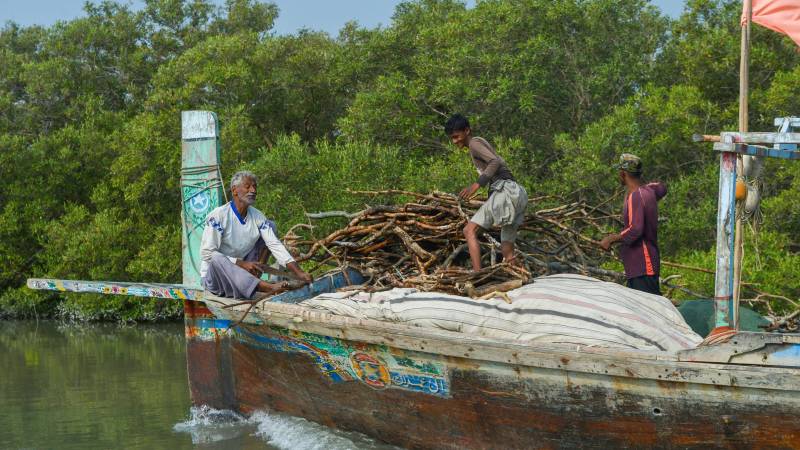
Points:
(490, 165)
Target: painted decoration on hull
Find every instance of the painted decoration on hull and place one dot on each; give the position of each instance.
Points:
(377, 366)
(116, 288)
(207, 329)
(370, 370)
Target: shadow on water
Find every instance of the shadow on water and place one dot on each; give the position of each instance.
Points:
(105, 386)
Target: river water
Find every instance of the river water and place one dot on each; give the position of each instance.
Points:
(105, 386)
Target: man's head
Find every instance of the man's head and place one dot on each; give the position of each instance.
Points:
(630, 166)
(244, 187)
(457, 129)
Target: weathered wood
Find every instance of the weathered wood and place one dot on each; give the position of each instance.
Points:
(726, 217)
(328, 214)
(208, 358)
(201, 185)
(410, 244)
(790, 153)
(705, 138)
(498, 287)
(155, 290)
(779, 137)
(472, 392)
(416, 243)
(648, 364)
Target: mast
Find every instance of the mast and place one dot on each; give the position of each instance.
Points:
(744, 83)
(729, 226)
(201, 185)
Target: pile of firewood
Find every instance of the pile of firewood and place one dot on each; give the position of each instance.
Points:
(420, 244)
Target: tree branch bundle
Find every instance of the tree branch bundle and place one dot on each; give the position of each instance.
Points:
(420, 244)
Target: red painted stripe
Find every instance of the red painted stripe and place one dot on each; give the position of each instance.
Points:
(648, 264)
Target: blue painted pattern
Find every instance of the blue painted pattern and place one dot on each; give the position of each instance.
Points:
(377, 366)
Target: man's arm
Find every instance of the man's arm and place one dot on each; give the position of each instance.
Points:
(635, 226)
(635, 219)
(481, 151)
(211, 241)
(282, 255)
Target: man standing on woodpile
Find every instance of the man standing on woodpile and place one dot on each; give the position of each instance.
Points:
(507, 200)
(639, 236)
(234, 236)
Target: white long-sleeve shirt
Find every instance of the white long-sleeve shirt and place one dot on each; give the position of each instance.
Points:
(230, 235)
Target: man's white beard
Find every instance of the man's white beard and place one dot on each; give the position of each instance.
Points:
(249, 200)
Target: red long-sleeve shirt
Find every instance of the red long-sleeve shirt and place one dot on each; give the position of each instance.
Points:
(639, 249)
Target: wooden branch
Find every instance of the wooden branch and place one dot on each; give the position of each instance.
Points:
(327, 214)
(413, 246)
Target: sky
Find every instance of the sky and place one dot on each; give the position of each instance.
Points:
(325, 15)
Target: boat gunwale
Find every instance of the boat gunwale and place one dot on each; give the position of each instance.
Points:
(629, 363)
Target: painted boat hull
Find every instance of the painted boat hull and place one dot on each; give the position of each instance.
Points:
(404, 395)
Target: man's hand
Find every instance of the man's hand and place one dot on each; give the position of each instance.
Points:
(608, 240)
(304, 277)
(467, 192)
(299, 273)
(254, 268)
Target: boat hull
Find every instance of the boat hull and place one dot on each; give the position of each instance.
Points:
(417, 399)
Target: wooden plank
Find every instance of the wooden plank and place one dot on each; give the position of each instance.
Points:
(487, 404)
(496, 406)
(511, 406)
(757, 150)
(760, 137)
(201, 185)
(602, 361)
(726, 217)
(154, 290)
(764, 349)
(328, 283)
(784, 123)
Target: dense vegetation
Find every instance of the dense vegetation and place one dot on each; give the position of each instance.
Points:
(90, 124)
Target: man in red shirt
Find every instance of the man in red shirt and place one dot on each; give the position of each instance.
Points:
(639, 236)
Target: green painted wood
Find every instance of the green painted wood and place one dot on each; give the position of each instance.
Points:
(202, 189)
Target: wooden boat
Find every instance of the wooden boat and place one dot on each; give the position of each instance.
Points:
(427, 388)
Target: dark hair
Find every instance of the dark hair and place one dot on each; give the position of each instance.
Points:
(456, 122)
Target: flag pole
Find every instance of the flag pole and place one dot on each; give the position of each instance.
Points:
(744, 81)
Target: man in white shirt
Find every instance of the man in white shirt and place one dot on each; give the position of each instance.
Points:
(234, 235)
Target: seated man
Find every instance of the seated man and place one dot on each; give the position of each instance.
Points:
(233, 238)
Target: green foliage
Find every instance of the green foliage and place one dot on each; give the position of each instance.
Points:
(770, 267)
(322, 175)
(90, 124)
(526, 69)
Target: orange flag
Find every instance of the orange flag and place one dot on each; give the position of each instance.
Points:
(782, 16)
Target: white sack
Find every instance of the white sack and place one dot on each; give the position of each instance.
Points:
(566, 308)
